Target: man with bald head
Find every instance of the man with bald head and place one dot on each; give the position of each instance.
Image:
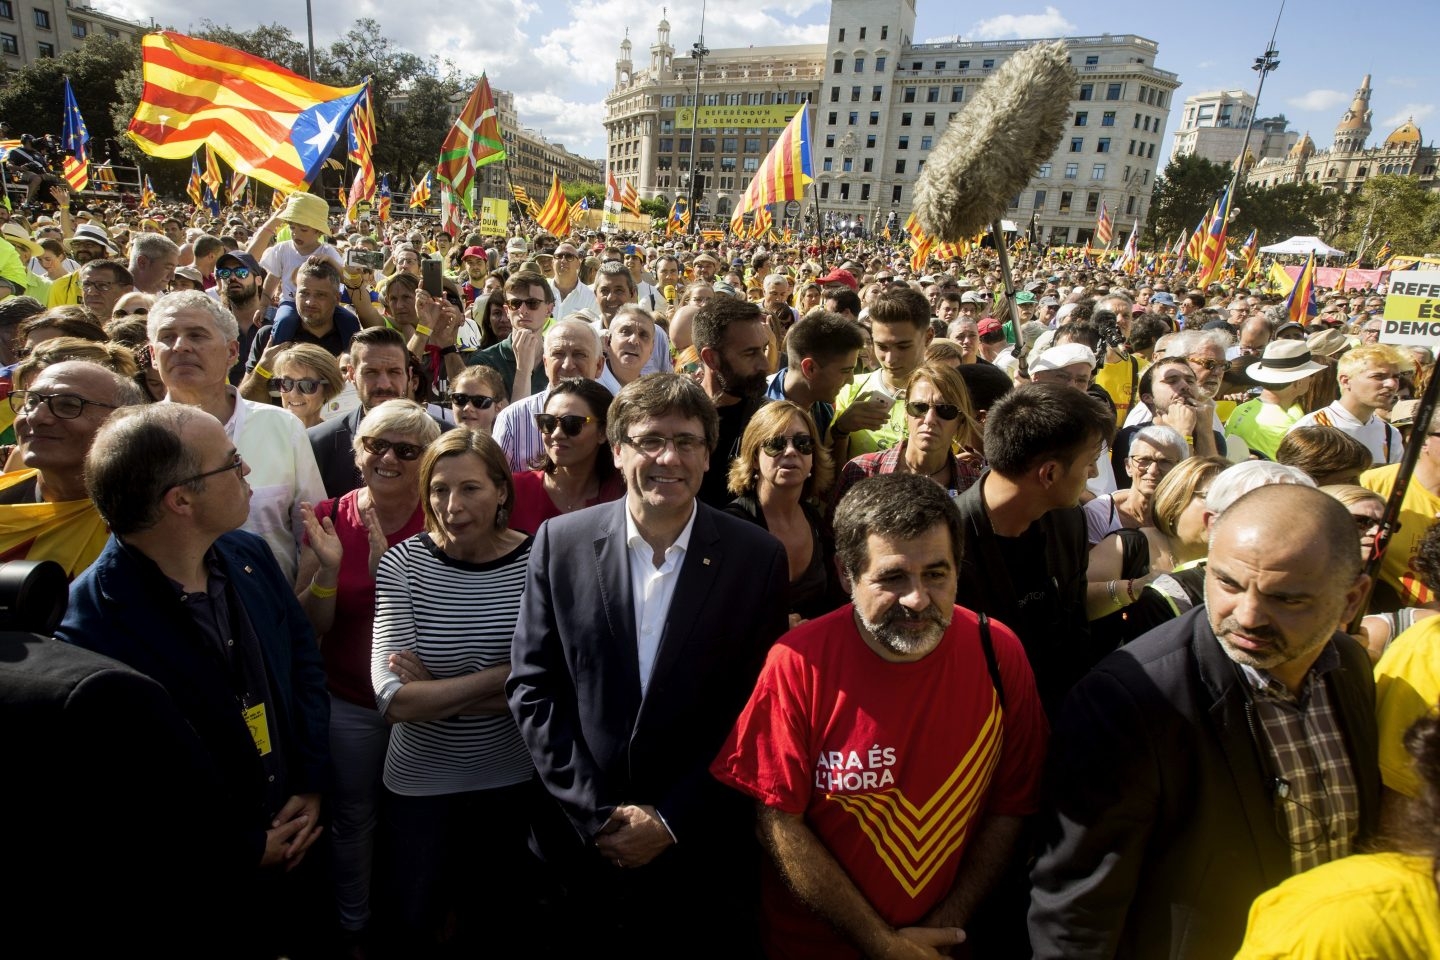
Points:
(572, 348)
(1218, 754)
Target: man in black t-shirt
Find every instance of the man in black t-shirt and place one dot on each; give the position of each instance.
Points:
(731, 340)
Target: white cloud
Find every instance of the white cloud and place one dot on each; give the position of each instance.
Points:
(1319, 100)
(1410, 111)
(1051, 23)
(1205, 64)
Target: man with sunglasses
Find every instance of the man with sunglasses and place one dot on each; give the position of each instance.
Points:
(238, 281)
(1220, 753)
(182, 595)
(530, 300)
(572, 349)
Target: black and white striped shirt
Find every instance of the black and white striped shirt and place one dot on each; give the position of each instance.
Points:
(459, 618)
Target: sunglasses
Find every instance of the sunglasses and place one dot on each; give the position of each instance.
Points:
(239, 273)
(529, 303)
(403, 451)
(1208, 363)
(137, 312)
(478, 400)
(567, 256)
(803, 443)
(945, 411)
(571, 423)
(306, 385)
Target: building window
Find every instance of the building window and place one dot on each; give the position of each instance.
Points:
(1065, 197)
(1150, 155)
(956, 94)
(884, 33)
(1092, 203)
(1107, 119)
(847, 164)
(827, 164)
(727, 144)
(862, 33)
(1112, 91)
(904, 119)
(7, 10)
(875, 93)
(854, 94)
(667, 102)
(964, 65)
(1077, 144)
(854, 118)
(1092, 60)
(45, 49)
(903, 143)
(1044, 172)
(1102, 145)
(900, 165)
(908, 96)
(879, 64)
(1072, 170)
(932, 95)
(79, 30)
(839, 64)
(870, 141)
(842, 35)
(756, 99)
(929, 119)
(859, 64)
(868, 165)
(667, 144)
(1129, 205)
(751, 164)
(8, 44)
(864, 191)
(834, 94)
(707, 144)
(1082, 118)
(733, 99)
(685, 145)
(825, 190)
(1097, 172)
(939, 64)
(829, 140)
(874, 118)
(987, 64)
(752, 144)
(727, 164)
(926, 143)
(1039, 203)
(832, 118)
(42, 19)
(1087, 91)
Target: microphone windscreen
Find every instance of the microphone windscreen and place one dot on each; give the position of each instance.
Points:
(996, 143)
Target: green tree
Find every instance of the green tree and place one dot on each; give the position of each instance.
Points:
(1397, 208)
(574, 191)
(273, 42)
(32, 99)
(655, 207)
(1284, 210)
(1182, 195)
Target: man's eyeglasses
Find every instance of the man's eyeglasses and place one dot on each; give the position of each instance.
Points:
(945, 411)
(567, 256)
(306, 385)
(1208, 363)
(1146, 464)
(237, 464)
(528, 303)
(378, 446)
(64, 406)
(478, 400)
(99, 286)
(803, 443)
(652, 445)
(239, 273)
(570, 423)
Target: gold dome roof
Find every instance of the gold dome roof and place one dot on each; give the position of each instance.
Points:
(1304, 147)
(1404, 135)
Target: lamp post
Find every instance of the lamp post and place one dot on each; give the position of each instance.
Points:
(1263, 65)
(699, 51)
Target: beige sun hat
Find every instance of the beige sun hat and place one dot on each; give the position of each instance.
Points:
(307, 210)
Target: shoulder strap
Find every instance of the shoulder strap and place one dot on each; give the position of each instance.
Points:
(990, 662)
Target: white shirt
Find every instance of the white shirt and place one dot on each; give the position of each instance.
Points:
(282, 260)
(581, 298)
(516, 432)
(1374, 433)
(652, 588)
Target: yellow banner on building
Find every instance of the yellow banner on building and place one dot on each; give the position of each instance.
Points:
(774, 116)
(494, 216)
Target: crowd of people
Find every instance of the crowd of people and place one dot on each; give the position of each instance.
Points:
(629, 593)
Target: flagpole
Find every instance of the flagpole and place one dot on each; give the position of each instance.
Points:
(1263, 65)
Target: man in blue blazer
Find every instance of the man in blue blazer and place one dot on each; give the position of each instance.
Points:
(643, 628)
(182, 595)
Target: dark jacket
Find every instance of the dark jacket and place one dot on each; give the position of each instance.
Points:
(125, 608)
(333, 443)
(1162, 828)
(1058, 656)
(815, 602)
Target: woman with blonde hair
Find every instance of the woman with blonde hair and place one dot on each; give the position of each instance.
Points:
(777, 480)
(306, 378)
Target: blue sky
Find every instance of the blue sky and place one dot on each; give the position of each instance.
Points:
(559, 58)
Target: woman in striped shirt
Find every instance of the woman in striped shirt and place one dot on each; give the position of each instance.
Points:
(460, 783)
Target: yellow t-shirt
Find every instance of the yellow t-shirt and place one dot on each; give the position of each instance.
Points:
(1116, 379)
(1380, 905)
(1418, 511)
(1407, 686)
(887, 436)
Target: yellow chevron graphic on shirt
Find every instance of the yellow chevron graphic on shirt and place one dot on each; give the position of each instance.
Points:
(914, 842)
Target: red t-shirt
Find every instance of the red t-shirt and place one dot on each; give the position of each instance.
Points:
(346, 646)
(533, 505)
(891, 764)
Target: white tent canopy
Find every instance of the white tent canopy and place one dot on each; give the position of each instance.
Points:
(1303, 246)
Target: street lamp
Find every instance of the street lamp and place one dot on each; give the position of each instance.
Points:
(699, 51)
(1263, 65)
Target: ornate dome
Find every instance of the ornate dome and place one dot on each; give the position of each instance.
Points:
(1358, 116)
(1304, 148)
(1404, 135)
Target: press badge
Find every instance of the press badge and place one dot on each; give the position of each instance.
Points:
(259, 728)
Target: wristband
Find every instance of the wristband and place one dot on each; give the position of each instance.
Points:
(1189, 439)
(1114, 594)
(262, 373)
(423, 330)
(447, 351)
(324, 593)
(1130, 590)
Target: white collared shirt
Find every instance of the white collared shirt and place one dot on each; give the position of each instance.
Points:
(580, 298)
(1380, 438)
(652, 588)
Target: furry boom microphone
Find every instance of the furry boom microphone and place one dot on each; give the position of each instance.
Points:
(996, 144)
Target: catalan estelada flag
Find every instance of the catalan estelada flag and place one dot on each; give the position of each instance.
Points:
(1249, 256)
(236, 188)
(629, 197)
(554, 217)
(679, 219)
(73, 134)
(147, 193)
(265, 121)
(1383, 255)
(1301, 302)
(383, 200)
(196, 187)
(420, 193)
(1104, 225)
(211, 173)
(360, 143)
(783, 174)
(1212, 256)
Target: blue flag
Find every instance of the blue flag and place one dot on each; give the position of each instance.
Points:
(74, 134)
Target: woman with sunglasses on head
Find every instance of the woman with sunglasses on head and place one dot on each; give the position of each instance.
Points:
(345, 538)
(476, 398)
(461, 788)
(576, 470)
(777, 480)
(941, 436)
(306, 378)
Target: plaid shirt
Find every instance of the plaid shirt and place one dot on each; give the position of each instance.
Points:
(881, 462)
(1317, 795)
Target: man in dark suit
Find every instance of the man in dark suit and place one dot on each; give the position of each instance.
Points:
(644, 626)
(182, 595)
(1219, 754)
(380, 370)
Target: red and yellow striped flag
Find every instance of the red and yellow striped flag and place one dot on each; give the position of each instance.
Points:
(361, 143)
(554, 217)
(77, 174)
(629, 198)
(784, 172)
(265, 121)
(211, 173)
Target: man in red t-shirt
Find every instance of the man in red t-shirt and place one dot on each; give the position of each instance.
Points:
(894, 745)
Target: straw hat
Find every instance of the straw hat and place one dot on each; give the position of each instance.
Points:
(1284, 361)
(95, 234)
(307, 210)
(20, 237)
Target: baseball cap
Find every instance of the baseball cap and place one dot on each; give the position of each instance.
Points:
(1058, 358)
(1025, 296)
(988, 326)
(841, 278)
(478, 253)
(516, 245)
(241, 258)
